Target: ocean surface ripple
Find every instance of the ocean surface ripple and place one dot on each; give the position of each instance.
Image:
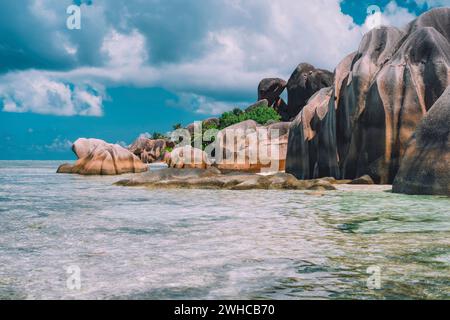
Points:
(134, 243)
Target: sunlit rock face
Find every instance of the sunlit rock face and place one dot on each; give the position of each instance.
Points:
(378, 98)
(187, 157)
(250, 147)
(96, 157)
(425, 167)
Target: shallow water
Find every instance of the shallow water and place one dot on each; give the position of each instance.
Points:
(188, 244)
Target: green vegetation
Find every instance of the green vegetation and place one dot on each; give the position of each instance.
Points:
(261, 115)
(199, 137)
(157, 135)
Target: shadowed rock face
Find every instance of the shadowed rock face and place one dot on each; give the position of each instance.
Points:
(304, 82)
(307, 155)
(379, 96)
(96, 157)
(403, 92)
(271, 89)
(425, 167)
(377, 47)
(438, 19)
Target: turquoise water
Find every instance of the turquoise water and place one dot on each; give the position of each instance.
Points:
(200, 244)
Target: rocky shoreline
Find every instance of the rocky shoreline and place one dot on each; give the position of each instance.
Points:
(213, 178)
(383, 114)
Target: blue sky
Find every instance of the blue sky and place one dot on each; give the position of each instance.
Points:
(141, 66)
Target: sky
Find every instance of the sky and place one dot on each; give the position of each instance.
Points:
(141, 66)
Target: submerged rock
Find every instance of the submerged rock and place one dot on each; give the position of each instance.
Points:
(96, 157)
(425, 168)
(212, 178)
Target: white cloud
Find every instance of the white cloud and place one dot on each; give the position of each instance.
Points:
(392, 15)
(59, 145)
(201, 104)
(124, 50)
(240, 41)
(32, 91)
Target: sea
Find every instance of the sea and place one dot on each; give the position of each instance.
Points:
(77, 237)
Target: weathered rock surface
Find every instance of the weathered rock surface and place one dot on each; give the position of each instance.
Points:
(149, 150)
(96, 157)
(307, 157)
(366, 179)
(212, 178)
(379, 96)
(271, 89)
(303, 83)
(250, 147)
(425, 167)
(207, 123)
(438, 19)
(187, 157)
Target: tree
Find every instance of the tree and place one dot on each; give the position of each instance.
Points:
(177, 126)
(261, 115)
(157, 135)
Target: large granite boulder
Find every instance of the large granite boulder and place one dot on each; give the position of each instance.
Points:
(207, 123)
(250, 147)
(96, 157)
(303, 83)
(187, 157)
(377, 47)
(404, 90)
(271, 89)
(379, 96)
(425, 167)
(307, 154)
(438, 18)
(149, 150)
